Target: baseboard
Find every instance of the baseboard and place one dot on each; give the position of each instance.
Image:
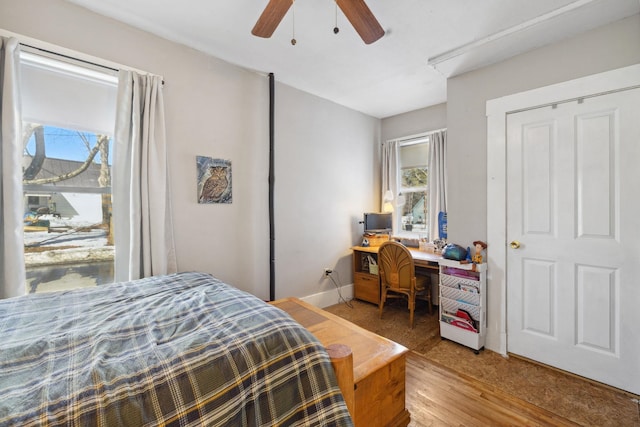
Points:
(330, 297)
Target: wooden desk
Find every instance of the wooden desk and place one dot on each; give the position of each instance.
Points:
(378, 364)
(366, 286)
(420, 258)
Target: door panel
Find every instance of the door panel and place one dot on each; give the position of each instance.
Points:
(572, 203)
(539, 288)
(595, 170)
(597, 308)
(537, 154)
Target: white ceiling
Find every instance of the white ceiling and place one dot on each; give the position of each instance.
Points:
(426, 41)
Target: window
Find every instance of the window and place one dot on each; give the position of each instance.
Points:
(413, 157)
(68, 120)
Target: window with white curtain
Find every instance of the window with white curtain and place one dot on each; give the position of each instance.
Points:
(68, 110)
(412, 203)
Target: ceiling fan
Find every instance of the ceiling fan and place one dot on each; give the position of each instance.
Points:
(356, 11)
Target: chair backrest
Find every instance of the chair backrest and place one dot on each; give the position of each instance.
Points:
(395, 266)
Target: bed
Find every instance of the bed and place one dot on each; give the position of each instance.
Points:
(183, 349)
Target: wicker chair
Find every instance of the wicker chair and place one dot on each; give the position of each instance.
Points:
(398, 277)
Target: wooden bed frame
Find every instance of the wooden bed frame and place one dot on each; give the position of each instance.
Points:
(370, 368)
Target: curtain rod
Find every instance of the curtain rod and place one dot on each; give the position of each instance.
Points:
(416, 137)
(84, 61)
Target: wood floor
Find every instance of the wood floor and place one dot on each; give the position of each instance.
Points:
(449, 385)
(437, 396)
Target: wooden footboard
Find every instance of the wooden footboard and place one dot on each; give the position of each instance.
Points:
(378, 365)
(342, 361)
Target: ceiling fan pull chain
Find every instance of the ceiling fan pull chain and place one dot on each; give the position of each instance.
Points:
(336, 30)
(293, 21)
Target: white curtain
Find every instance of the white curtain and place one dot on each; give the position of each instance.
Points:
(437, 180)
(143, 226)
(389, 174)
(12, 271)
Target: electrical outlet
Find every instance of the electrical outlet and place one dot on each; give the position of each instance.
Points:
(328, 271)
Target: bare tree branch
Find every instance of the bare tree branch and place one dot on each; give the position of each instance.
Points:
(71, 174)
(27, 131)
(105, 178)
(38, 159)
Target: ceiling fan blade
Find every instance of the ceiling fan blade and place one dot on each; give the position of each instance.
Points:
(271, 17)
(362, 19)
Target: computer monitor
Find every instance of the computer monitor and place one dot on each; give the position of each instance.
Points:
(375, 222)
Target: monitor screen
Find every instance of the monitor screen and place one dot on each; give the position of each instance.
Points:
(377, 222)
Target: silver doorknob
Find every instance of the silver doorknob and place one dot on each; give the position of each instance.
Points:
(514, 244)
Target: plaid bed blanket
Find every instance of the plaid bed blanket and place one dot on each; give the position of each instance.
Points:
(178, 350)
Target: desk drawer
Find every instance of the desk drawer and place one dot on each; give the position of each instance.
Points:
(366, 287)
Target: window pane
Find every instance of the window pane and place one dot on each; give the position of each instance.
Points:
(67, 205)
(69, 111)
(414, 176)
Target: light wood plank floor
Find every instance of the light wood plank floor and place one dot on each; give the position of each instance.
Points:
(437, 396)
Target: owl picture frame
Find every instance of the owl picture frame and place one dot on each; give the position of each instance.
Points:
(214, 180)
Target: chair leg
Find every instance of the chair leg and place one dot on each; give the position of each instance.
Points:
(412, 306)
(383, 298)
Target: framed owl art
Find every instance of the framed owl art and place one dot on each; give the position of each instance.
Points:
(214, 180)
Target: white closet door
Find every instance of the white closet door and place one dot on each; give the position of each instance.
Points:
(573, 207)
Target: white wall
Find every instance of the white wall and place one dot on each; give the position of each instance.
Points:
(326, 161)
(414, 122)
(609, 47)
(326, 174)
